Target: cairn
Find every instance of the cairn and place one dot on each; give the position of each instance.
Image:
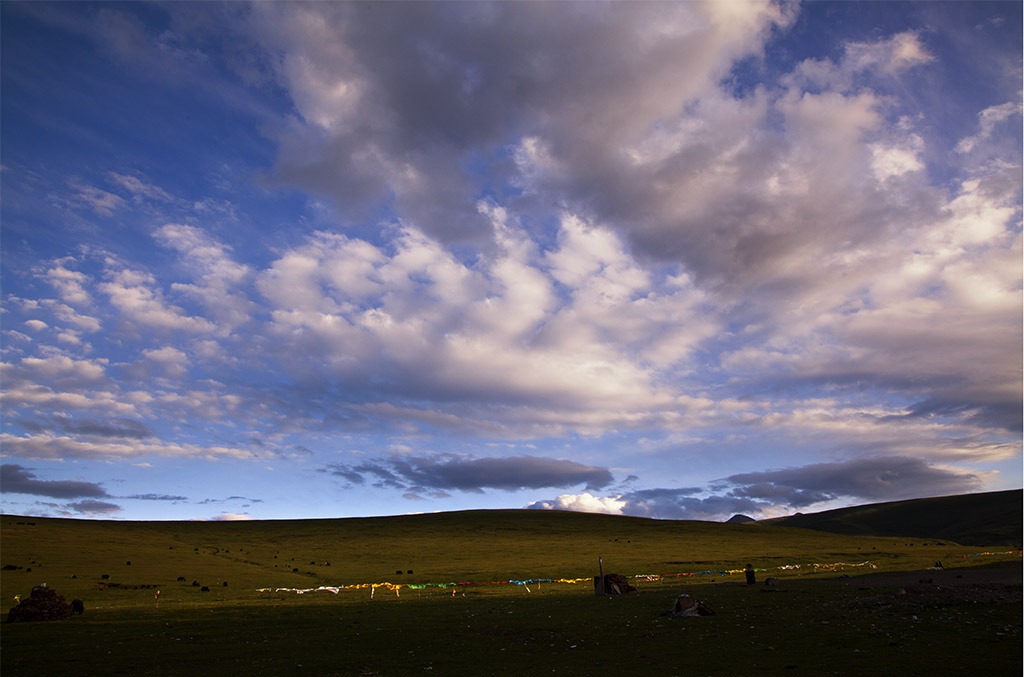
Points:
(44, 604)
(613, 584)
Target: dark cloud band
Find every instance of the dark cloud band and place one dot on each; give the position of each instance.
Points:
(16, 479)
(474, 474)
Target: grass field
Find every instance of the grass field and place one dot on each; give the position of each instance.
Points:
(813, 623)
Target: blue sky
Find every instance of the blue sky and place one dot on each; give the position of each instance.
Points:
(679, 260)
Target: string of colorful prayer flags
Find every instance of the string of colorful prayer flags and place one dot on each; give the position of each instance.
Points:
(395, 587)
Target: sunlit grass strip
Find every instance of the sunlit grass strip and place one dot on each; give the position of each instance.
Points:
(395, 587)
(986, 554)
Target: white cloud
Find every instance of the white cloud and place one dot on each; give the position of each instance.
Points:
(584, 502)
(988, 120)
(583, 233)
(139, 188)
(357, 99)
(173, 361)
(63, 369)
(69, 315)
(53, 447)
(232, 517)
(69, 337)
(100, 201)
(573, 328)
(134, 294)
(892, 56)
(70, 284)
(889, 162)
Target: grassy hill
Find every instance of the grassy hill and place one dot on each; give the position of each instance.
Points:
(483, 545)
(489, 629)
(988, 519)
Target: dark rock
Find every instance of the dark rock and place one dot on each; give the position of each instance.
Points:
(688, 606)
(77, 606)
(614, 584)
(44, 604)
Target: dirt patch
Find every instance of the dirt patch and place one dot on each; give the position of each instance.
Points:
(944, 577)
(930, 588)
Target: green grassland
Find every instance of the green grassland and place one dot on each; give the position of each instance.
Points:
(809, 625)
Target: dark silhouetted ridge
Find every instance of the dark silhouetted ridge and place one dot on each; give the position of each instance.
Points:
(992, 518)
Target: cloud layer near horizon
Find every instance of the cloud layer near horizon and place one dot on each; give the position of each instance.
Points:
(609, 238)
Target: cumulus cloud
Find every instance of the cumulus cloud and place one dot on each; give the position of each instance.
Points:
(472, 474)
(232, 517)
(573, 328)
(583, 502)
(71, 285)
(549, 220)
(17, 479)
(135, 294)
(217, 275)
(364, 107)
(172, 361)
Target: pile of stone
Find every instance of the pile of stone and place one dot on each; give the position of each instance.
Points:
(612, 584)
(44, 604)
(687, 606)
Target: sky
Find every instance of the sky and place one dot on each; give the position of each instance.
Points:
(675, 260)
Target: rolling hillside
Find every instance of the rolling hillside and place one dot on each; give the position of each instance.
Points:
(988, 519)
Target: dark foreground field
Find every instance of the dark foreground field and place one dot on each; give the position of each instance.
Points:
(899, 619)
(857, 626)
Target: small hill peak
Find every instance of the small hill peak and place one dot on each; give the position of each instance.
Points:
(739, 519)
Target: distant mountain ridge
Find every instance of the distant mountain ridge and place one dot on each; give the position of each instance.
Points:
(993, 518)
